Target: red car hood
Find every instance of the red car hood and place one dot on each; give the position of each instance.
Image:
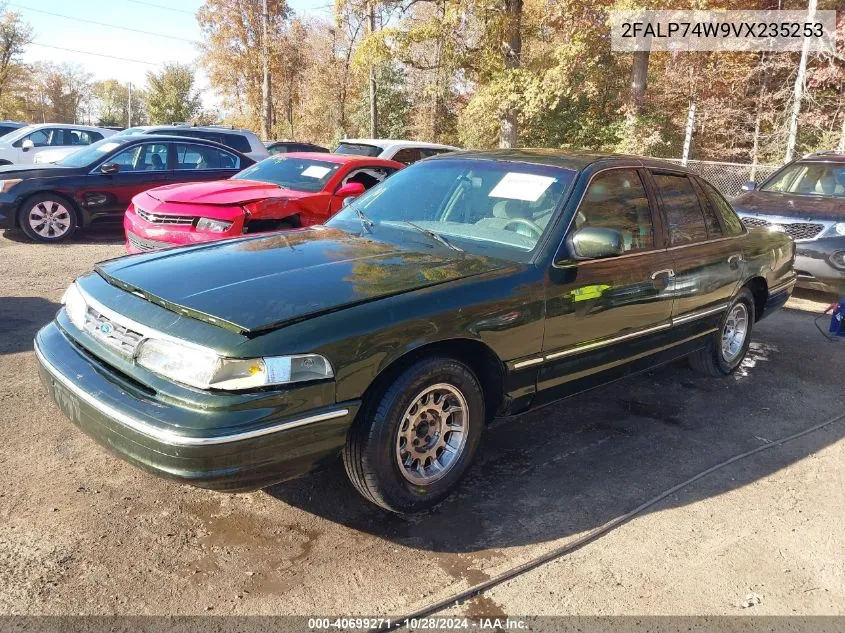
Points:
(222, 192)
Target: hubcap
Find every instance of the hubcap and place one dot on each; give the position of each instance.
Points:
(49, 219)
(734, 332)
(432, 434)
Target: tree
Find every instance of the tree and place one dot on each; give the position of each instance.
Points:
(59, 93)
(15, 35)
(111, 103)
(171, 95)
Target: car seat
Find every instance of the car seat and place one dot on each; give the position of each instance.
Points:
(156, 163)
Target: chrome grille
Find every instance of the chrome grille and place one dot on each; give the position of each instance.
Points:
(143, 244)
(112, 333)
(795, 230)
(163, 218)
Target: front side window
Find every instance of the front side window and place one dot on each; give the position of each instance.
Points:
(733, 225)
(302, 174)
(499, 206)
(368, 176)
(683, 211)
(809, 179)
(190, 156)
(46, 137)
(145, 157)
(617, 200)
(359, 149)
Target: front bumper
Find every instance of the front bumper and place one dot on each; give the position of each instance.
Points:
(150, 432)
(814, 267)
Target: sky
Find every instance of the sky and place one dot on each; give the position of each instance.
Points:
(64, 31)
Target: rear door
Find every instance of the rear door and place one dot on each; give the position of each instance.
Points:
(603, 313)
(706, 260)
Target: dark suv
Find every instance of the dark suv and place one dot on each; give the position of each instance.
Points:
(806, 199)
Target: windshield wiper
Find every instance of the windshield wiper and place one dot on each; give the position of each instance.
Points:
(435, 236)
(366, 222)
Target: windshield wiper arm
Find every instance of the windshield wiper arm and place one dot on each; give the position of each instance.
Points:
(366, 222)
(435, 236)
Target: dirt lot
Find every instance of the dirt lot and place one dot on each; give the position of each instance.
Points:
(82, 532)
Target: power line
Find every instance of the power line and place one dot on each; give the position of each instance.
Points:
(73, 50)
(159, 6)
(111, 26)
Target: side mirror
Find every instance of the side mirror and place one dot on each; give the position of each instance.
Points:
(350, 190)
(109, 169)
(27, 145)
(593, 242)
(749, 186)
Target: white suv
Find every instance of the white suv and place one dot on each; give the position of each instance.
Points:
(243, 141)
(401, 151)
(21, 146)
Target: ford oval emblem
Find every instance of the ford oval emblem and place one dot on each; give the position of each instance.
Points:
(106, 328)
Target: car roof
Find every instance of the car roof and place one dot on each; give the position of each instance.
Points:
(384, 143)
(338, 158)
(202, 128)
(75, 126)
(832, 156)
(576, 160)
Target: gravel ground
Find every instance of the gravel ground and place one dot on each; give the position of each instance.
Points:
(82, 532)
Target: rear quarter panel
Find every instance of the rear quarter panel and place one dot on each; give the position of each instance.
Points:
(770, 255)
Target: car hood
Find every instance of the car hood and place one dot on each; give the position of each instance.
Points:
(223, 192)
(255, 284)
(790, 205)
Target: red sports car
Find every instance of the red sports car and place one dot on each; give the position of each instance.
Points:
(283, 191)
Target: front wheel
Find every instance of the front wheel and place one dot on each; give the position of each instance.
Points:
(727, 348)
(414, 441)
(47, 218)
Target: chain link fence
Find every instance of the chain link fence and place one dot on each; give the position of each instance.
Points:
(729, 177)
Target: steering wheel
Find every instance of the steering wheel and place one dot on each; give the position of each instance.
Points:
(523, 222)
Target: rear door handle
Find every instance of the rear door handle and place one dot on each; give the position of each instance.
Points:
(659, 273)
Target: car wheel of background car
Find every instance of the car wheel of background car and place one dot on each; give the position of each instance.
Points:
(47, 218)
(414, 440)
(726, 349)
(5, 162)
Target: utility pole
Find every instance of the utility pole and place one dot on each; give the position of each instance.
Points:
(373, 97)
(798, 93)
(266, 112)
(129, 108)
(688, 133)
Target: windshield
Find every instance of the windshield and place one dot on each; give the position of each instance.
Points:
(359, 149)
(303, 174)
(811, 179)
(90, 154)
(477, 204)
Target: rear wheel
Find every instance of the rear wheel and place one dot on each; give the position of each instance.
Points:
(47, 218)
(727, 348)
(413, 442)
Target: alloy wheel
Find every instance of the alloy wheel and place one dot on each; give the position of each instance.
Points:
(50, 219)
(734, 333)
(432, 434)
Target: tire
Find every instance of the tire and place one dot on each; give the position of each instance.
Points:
(64, 218)
(380, 456)
(720, 358)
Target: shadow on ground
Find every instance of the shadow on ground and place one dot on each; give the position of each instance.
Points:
(104, 234)
(574, 465)
(20, 319)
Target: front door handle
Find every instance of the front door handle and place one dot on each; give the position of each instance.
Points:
(659, 273)
(734, 261)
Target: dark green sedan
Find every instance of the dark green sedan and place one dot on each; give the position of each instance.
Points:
(465, 287)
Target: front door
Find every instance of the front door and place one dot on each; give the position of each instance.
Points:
(603, 313)
(142, 167)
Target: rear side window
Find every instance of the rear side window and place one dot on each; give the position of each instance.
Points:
(616, 199)
(238, 142)
(733, 225)
(360, 149)
(683, 211)
(408, 155)
(190, 156)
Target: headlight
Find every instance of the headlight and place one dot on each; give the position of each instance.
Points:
(5, 185)
(75, 306)
(839, 228)
(838, 259)
(206, 370)
(215, 226)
